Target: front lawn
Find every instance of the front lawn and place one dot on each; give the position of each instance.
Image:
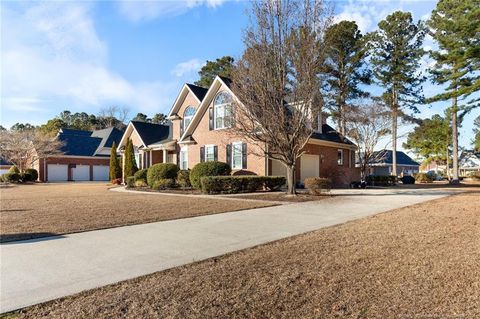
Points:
(39, 210)
(421, 261)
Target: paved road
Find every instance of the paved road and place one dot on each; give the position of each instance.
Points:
(39, 270)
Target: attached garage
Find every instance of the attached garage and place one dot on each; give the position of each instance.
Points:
(57, 173)
(278, 168)
(80, 173)
(101, 172)
(309, 166)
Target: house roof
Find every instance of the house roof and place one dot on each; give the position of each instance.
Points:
(151, 133)
(470, 159)
(86, 143)
(386, 157)
(197, 90)
(4, 162)
(331, 135)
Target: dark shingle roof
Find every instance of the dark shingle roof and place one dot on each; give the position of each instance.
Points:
(227, 81)
(85, 143)
(385, 157)
(4, 161)
(331, 135)
(70, 131)
(110, 135)
(150, 132)
(198, 91)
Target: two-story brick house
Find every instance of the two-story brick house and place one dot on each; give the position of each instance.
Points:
(200, 131)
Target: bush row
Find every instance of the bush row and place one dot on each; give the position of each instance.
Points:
(239, 184)
(381, 180)
(14, 175)
(318, 185)
(424, 178)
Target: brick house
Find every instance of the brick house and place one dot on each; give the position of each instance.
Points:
(199, 131)
(86, 156)
(382, 163)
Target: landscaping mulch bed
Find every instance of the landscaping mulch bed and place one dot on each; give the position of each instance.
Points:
(421, 261)
(39, 210)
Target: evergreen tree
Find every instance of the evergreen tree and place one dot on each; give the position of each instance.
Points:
(130, 166)
(222, 66)
(115, 169)
(344, 68)
(476, 131)
(396, 52)
(455, 26)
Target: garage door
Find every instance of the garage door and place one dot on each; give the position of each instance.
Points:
(309, 166)
(81, 173)
(57, 173)
(278, 169)
(3, 171)
(101, 173)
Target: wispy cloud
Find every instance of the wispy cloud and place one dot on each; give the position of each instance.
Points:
(137, 11)
(184, 68)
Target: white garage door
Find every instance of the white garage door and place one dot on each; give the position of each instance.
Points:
(3, 171)
(309, 166)
(57, 173)
(101, 173)
(81, 173)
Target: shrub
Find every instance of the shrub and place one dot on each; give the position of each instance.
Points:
(475, 175)
(30, 175)
(115, 168)
(140, 183)
(11, 177)
(117, 181)
(213, 168)
(183, 178)
(130, 182)
(424, 178)
(163, 183)
(238, 184)
(161, 171)
(318, 185)
(274, 183)
(14, 169)
(130, 165)
(381, 180)
(141, 175)
(408, 180)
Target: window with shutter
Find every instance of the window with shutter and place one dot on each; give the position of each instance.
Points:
(237, 155)
(209, 153)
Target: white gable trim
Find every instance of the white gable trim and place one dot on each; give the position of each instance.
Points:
(180, 98)
(203, 107)
(128, 132)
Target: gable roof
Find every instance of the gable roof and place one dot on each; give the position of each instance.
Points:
(331, 135)
(197, 91)
(151, 133)
(86, 143)
(386, 157)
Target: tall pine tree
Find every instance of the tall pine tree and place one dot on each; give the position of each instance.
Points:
(344, 69)
(396, 49)
(115, 169)
(130, 165)
(455, 26)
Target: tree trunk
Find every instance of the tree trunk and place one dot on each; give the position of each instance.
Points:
(447, 164)
(394, 141)
(455, 179)
(291, 180)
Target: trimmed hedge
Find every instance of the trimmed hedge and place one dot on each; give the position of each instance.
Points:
(239, 184)
(11, 177)
(408, 180)
(161, 171)
(381, 180)
(183, 178)
(141, 175)
(14, 169)
(163, 184)
(30, 175)
(130, 182)
(213, 168)
(424, 178)
(318, 185)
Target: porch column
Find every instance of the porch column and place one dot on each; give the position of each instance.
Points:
(150, 162)
(164, 155)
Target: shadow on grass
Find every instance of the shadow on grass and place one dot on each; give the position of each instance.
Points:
(25, 238)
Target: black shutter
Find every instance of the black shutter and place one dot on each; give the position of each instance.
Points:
(202, 154)
(244, 155)
(210, 119)
(181, 127)
(215, 153)
(229, 154)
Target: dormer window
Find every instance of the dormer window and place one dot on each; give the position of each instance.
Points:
(222, 106)
(188, 115)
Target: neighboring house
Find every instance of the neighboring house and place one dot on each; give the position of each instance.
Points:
(382, 163)
(469, 162)
(86, 156)
(200, 131)
(4, 166)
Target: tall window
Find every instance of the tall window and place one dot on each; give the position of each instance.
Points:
(237, 155)
(209, 153)
(184, 158)
(222, 110)
(188, 115)
(340, 157)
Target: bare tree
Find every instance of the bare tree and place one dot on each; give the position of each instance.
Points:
(276, 80)
(113, 116)
(367, 123)
(25, 148)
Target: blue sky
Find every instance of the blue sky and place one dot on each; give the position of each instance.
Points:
(86, 55)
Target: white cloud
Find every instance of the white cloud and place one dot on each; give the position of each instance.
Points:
(52, 55)
(136, 11)
(184, 68)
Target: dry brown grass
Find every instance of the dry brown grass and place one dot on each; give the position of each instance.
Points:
(31, 211)
(417, 262)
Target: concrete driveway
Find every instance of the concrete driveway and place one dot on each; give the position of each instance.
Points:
(35, 271)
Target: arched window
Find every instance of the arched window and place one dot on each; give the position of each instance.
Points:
(188, 115)
(222, 110)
